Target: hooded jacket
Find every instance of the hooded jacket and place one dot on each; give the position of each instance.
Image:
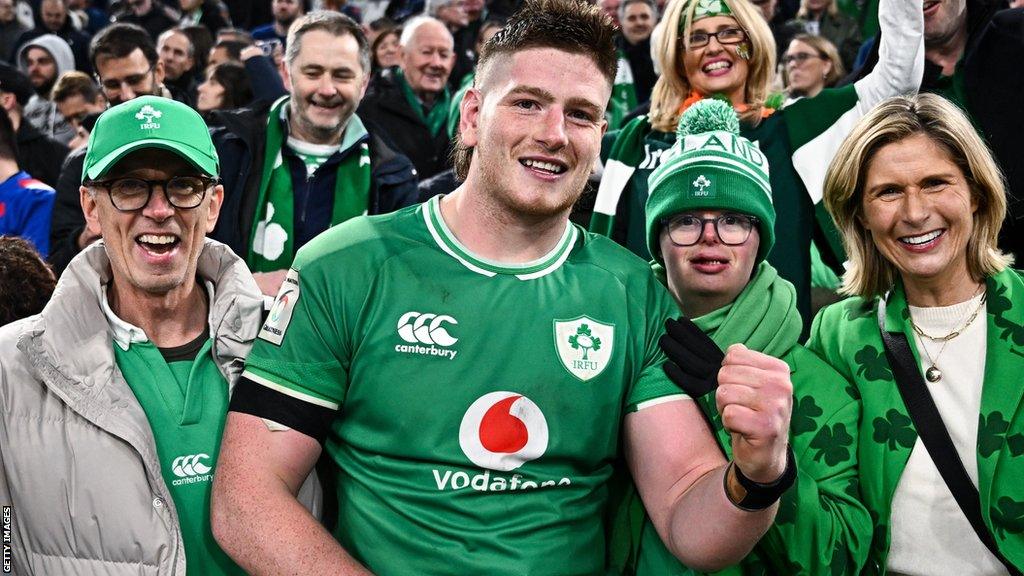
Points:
(78, 459)
(40, 110)
(76, 39)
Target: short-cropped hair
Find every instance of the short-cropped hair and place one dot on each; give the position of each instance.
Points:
(335, 24)
(75, 83)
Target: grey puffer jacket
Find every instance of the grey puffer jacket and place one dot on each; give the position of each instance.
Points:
(78, 460)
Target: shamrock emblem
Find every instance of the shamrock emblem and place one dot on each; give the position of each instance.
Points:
(805, 410)
(872, 364)
(894, 430)
(832, 443)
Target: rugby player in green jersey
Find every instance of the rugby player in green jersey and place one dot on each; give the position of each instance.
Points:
(472, 368)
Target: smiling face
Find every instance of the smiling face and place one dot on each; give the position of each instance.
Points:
(806, 70)
(428, 59)
(709, 274)
(918, 207)
(535, 123)
(153, 251)
(943, 19)
(388, 51)
(327, 82)
(123, 79)
(716, 68)
(638, 22)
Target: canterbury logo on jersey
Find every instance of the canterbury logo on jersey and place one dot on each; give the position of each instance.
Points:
(191, 469)
(418, 328)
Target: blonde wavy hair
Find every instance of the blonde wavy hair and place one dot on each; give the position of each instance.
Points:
(673, 87)
(868, 273)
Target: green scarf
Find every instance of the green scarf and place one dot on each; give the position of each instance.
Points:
(436, 119)
(763, 317)
(623, 99)
(271, 245)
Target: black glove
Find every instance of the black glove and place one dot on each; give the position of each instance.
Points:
(693, 357)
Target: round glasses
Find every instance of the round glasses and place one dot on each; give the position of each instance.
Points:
(130, 194)
(725, 36)
(687, 229)
(799, 58)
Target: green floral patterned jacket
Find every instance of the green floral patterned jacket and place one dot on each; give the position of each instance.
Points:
(846, 335)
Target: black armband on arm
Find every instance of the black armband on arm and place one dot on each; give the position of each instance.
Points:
(314, 421)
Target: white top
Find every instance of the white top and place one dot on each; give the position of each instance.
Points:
(930, 534)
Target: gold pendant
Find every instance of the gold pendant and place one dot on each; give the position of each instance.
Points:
(933, 374)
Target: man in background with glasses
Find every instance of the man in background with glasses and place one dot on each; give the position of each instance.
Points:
(127, 66)
(115, 395)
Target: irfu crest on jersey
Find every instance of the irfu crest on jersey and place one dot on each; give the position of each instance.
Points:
(584, 346)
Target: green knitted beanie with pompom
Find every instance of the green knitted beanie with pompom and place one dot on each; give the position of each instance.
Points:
(710, 167)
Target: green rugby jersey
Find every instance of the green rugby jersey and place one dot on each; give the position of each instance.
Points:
(474, 408)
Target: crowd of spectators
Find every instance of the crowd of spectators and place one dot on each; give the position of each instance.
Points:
(67, 60)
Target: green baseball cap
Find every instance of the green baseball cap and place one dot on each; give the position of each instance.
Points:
(149, 122)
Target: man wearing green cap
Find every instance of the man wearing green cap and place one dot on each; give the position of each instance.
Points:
(710, 222)
(114, 396)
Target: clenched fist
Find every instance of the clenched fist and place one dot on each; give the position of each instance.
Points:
(755, 399)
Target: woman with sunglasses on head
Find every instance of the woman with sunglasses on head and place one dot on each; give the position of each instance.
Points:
(710, 223)
(723, 48)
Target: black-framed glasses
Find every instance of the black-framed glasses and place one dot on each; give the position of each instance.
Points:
(799, 58)
(687, 229)
(133, 81)
(724, 36)
(131, 194)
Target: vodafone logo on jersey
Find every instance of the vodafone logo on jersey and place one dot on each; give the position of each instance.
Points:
(502, 431)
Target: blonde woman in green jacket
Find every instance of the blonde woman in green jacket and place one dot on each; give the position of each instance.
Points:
(920, 202)
(710, 223)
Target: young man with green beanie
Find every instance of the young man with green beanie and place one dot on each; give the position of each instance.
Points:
(710, 224)
(114, 396)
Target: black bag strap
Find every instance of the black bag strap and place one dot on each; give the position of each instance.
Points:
(934, 434)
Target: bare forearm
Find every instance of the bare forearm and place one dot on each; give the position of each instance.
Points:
(708, 532)
(274, 533)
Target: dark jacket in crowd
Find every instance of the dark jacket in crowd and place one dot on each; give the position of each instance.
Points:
(993, 85)
(240, 139)
(76, 39)
(66, 221)
(155, 21)
(10, 34)
(246, 14)
(211, 17)
(40, 155)
(465, 53)
(841, 30)
(640, 64)
(386, 112)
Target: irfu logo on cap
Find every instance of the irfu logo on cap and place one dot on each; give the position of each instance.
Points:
(703, 187)
(148, 115)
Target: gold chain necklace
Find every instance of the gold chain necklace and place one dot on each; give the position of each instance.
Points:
(933, 374)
